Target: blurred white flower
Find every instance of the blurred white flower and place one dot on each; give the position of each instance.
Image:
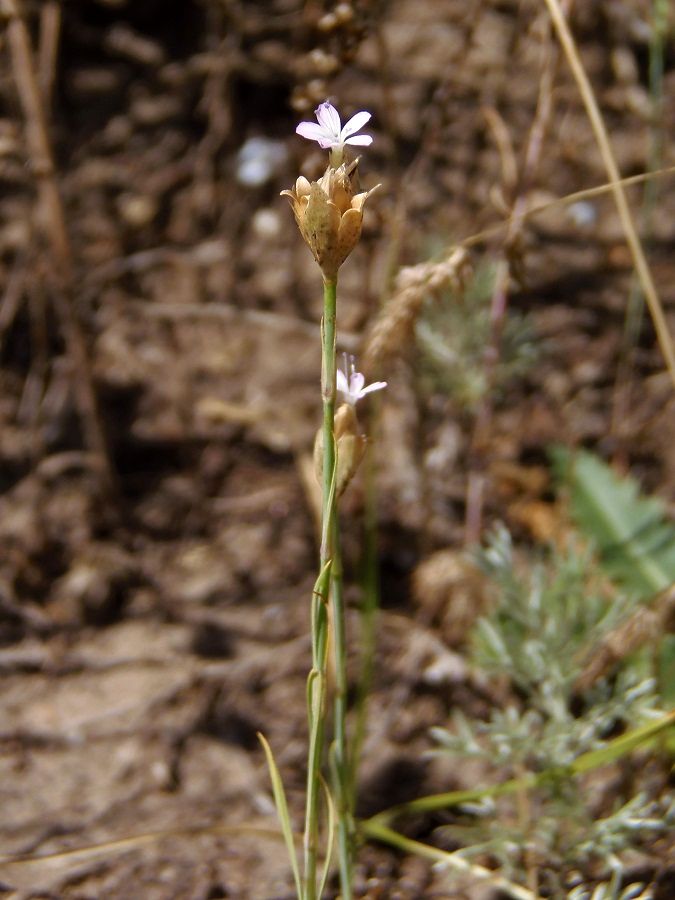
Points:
(330, 132)
(258, 160)
(351, 384)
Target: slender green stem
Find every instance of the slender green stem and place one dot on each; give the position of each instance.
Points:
(316, 687)
(328, 368)
(379, 832)
(331, 547)
(340, 753)
(316, 693)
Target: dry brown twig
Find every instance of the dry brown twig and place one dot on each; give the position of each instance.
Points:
(51, 218)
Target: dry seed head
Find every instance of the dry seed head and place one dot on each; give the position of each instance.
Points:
(329, 215)
(393, 329)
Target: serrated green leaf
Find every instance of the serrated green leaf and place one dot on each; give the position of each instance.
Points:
(634, 538)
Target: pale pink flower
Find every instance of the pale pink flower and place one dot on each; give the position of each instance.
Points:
(351, 384)
(329, 133)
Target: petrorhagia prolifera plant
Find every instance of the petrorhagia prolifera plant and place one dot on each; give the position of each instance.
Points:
(329, 214)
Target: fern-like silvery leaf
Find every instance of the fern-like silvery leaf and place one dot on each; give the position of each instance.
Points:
(634, 538)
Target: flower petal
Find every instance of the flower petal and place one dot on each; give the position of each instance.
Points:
(341, 382)
(360, 140)
(311, 131)
(355, 124)
(327, 141)
(375, 386)
(329, 118)
(356, 382)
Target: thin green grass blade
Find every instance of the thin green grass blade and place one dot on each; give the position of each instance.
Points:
(330, 838)
(615, 749)
(622, 745)
(282, 811)
(379, 832)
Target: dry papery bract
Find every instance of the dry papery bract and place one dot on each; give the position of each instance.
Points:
(351, 447)
(329, 215)
(393, 329)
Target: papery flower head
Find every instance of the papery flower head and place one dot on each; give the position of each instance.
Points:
(350, 445)
(352, 384)
(329, 215)
(330, 134)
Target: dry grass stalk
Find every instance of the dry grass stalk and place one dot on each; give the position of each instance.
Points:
(393, 328)
(496, 231)
(52, 221)
(602, 138)
(645, 626)
(50, 32)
